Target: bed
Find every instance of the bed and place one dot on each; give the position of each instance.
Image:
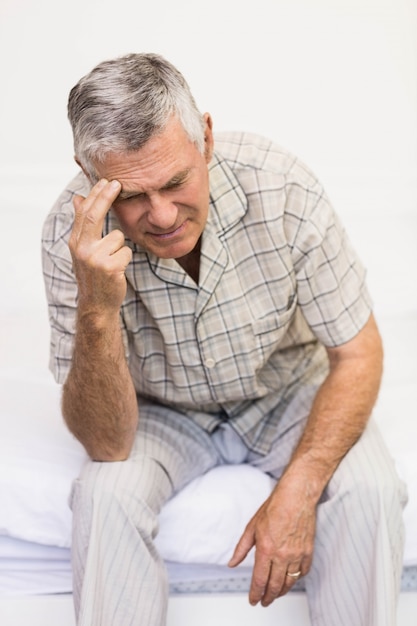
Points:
(199, 526)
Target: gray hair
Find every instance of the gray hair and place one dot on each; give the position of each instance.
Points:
(124, 102)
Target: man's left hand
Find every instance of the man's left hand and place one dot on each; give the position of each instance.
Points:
(282, 532)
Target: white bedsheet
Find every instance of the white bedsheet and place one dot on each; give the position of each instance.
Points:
(31, 568)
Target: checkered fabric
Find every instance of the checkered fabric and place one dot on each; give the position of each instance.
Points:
(278, 281)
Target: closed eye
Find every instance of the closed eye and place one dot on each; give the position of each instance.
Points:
(177, 181)
(171, 186)
(126, 195)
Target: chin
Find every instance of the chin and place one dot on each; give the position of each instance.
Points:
(175, 251)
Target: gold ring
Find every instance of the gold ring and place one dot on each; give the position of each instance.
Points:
(294, 575)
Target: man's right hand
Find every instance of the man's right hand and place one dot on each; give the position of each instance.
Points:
(99, 262)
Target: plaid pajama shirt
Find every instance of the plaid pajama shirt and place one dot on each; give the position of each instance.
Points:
(278, 280)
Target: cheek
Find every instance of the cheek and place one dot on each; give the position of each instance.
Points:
(127, 217)
(199, 195)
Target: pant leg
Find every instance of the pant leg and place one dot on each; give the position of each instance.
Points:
(119, 578)
(356, 572)
(357, 563)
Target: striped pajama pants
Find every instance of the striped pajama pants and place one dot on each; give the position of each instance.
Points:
(120, 579)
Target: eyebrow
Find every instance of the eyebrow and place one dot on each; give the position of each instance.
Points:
(177, 179)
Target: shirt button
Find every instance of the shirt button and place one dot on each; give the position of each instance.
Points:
(210, 363)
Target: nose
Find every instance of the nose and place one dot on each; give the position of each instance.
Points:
(162, 213)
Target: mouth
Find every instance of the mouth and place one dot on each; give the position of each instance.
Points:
(171, 235)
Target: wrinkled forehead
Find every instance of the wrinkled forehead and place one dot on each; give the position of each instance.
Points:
(162, 163)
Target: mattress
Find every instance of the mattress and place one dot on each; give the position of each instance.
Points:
(31, 569)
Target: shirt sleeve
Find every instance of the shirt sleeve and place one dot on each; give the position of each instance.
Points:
(60, 285)
(331, 280)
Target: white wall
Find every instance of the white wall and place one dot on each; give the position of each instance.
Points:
(332, 80)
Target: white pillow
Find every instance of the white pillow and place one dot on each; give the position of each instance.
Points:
(39, 459)
(204, 521)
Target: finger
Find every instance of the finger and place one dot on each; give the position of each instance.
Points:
(83, 203)
(280, 582)
(112, 242)
(119, 259)
(293, 568)
(125, 256)
(244, 545)
(276, 585)
(109, 254)
(260, 577)
(91, 211)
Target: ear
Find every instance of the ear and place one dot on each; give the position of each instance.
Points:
(208, 137)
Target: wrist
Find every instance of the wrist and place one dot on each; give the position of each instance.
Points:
(97, 319)
(307, 477)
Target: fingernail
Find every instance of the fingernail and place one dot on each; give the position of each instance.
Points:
(114, 184)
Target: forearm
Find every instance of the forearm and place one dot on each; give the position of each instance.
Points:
(99, 401)
(339, 413)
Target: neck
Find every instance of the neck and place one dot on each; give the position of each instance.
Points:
(191, 262)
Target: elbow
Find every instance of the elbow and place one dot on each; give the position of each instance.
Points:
(107, 447)
(106, 451)
(105, 440)
(110, 450)
(103, 457)
(100, 445)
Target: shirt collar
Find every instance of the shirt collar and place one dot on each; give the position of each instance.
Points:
(228, 202)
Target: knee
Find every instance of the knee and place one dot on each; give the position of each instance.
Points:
(133, 484)
(369, 489)
(377, 497)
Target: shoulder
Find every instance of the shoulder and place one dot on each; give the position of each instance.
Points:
(244, 150)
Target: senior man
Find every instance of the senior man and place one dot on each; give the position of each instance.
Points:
(207, 307)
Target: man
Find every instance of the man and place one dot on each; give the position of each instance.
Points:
(206, 307)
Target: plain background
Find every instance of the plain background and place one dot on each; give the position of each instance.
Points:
(332, 80)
